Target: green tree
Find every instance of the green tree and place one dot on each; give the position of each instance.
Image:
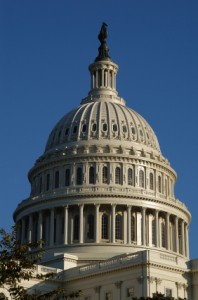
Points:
(17, 263)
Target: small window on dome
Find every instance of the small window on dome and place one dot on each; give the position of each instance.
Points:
(104, 126)
(141, 133)
(147, 135)
(94, 127)
(66, 131)
(59, 134)
(75, 129)
(133, 130)
(84, 128)
(124, 128)
(115, 127)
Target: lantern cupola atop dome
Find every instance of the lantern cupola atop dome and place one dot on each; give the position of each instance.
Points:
(103, 70)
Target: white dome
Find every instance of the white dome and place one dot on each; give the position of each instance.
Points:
(102, 119)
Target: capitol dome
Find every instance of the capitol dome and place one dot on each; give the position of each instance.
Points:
(105, 119)
(102, 186)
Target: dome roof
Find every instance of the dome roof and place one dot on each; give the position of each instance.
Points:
(102, 119)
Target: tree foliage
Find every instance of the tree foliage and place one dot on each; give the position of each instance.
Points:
(17, 263)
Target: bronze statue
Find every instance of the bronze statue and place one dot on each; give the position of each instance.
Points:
(103, 33)
(103, 50)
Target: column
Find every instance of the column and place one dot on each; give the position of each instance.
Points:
(157, 228)
(113, 207)
(102, 81)
(81, 223)
(97, 206)
(52, 227)
(135, 176)
(23, 230)
(187, 241)
(143, 225)
(183, 238)
(105, 76)
(40, 225)
(96, 79)
(129, 224)
(65, 237)
(92, 82)
(124, 229)
(167, 231)
(30, 228)
(176, 235)
(108, 76)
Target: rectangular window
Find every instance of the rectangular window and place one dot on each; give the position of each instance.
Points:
(130, 292)
(168, 292)
(108, 296)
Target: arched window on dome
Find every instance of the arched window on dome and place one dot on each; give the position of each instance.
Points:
(141, 179)
(151, 181)
(118, 227)
(75, 129)
(114, 127)
(92, 175)
(90, 227)
(84, 128)
(104, 127)
(48, 182)
(133, 130)
(67, 177)
(56, 183)
(105, 227)
(94, 127)
(79, 177)
(159, 184)
(117, 175)
(130, 176)
(67, 131)
(105, 175)
(76, 228)
(59, 135)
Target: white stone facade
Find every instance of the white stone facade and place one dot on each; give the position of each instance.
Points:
(102, 199)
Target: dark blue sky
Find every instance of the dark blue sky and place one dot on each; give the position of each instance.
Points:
(45, 49)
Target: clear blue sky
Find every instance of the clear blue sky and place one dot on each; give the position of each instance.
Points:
(45, 49)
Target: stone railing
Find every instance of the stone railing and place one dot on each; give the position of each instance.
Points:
(114, 262)
(45, 270)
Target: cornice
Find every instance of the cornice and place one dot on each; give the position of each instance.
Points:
(52, 197)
